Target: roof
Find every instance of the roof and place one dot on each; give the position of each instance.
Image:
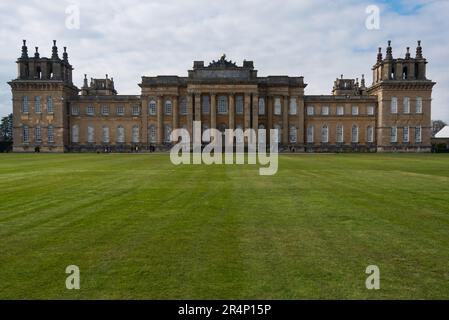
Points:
(443, 133)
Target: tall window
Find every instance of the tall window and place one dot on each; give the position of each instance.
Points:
(120, 110)
(38, 134)
(25, 106)
(394, 134)
(406, 105)
(75, 110)
(25, 134)
(369, 134)
(183, 106)
(152, 108)
(120, 134)
(168, 107)
(293, 107)
(394, 105)
(340, 110)
(152, 133)
(279, 129)
(310, 111)
(222, 105)
(310, 130)
(50, 105)
(135, 134)
(405, 135)
(239, 104)
(105, 134)
(418, 105)
(51, 133)
(136, 110)
(277, 106)
(325, 110)
(339, 133)
(167, 133)
(324, 134)
(90, 134)
(293, 134)
(37, 104)
(418, 137)
(355, 134)
(90, 110)
(104, 110)
(75, 133)
(370, 110)
(205, 104)
(261, 106)
(355, 110)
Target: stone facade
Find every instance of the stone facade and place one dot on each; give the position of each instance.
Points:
(53, 115)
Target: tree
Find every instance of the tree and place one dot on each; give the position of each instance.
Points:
(437, 125)
(6, 128)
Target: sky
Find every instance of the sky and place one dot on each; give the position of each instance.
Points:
(317, 39)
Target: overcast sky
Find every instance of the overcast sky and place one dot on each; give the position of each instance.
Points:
(317, 39)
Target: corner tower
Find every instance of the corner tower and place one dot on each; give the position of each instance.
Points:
(40, 101)
(404, 101)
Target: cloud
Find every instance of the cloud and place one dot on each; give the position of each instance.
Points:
(317, 39)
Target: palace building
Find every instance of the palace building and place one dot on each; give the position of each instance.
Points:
(51, 114)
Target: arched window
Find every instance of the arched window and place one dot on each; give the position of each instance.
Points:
(120, 134)
(277, 106)
(355, 134)
(404, 73)
(394, 105)
(25, 134)
(340, 133)
(90, 134)
(293, 134)
(105, 134)
(152, 133)
(51, 133)
(205, 104)
(152, 108)
(310, 131)
(37, 104)
(167, 133)
(324, 134)
(406, 105)
(135, 134)
(25, 106)
(293, 106)
(261, 106)
(183, 106)
(394, 134)
(168, 107)
(279, 129)
(418, 137)
(418, 108)
(369, 134)
(50, 105)
(222, 107)
(38, 134)
(75, 133)
(406, 135)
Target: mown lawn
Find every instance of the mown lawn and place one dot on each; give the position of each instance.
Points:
(139, 227)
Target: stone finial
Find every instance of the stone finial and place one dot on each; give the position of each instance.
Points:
(419, 50)
(24, 50)
(379, 55)
(54, 54)
(65, 56)
(85, 81)
(36, 54)
(389, 54)
(362, 82)
(407, 55)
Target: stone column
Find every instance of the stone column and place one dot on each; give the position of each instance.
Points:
(255, 111)
(213, 111)
(197, 106)
(144, 122)
(247, 111)
(160, 116)
(231, 111)
(285, 120)
(190, 113)
(175, 113)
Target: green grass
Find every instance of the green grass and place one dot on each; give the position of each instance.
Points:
(140, 227)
